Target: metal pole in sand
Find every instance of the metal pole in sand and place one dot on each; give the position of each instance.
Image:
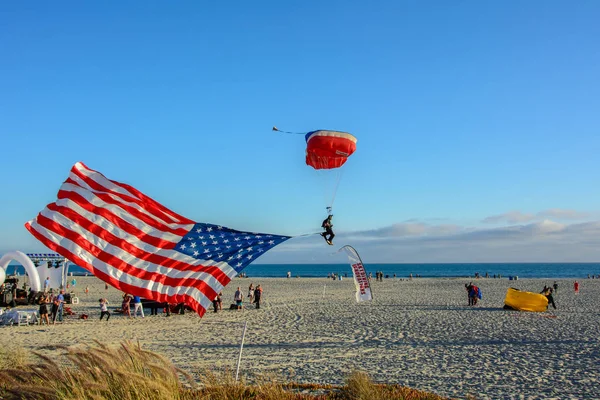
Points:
(237, 372)
(324, 286)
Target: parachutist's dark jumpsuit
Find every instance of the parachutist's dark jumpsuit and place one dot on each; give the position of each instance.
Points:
(328, 234)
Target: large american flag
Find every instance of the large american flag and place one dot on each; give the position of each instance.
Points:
(139, 246)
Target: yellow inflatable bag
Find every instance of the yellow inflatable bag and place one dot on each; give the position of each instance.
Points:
(525, 301)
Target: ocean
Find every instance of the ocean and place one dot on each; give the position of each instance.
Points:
(522, 270)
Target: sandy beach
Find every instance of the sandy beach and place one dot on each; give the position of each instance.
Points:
(417, 333)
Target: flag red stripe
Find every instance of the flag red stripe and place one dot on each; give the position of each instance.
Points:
(133, 250)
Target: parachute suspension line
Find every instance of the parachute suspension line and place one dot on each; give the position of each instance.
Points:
(335, 189)
(293, 133)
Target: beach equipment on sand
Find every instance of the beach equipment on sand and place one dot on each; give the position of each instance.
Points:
(139, 246)
(525, 301)
(363, 287)
(327, 151)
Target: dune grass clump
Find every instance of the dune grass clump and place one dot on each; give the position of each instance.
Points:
(13, 357)
(128, 372)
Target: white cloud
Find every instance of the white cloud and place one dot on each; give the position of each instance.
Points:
(517, 217)
(511, 217)
(559, 213)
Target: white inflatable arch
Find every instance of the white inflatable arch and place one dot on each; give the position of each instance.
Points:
(21, 258)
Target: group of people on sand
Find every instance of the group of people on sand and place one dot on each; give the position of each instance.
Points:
(56, 303)
(254, 297)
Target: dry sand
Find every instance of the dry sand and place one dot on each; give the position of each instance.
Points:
(417, 333)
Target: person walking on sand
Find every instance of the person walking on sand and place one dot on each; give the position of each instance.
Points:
(257, 296)
(576, 287)
(104, 309)
(137, 305)
(87, 290)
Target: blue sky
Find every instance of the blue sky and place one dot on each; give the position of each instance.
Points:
(477, 122)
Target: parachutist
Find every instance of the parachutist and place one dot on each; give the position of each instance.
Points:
(328, 234)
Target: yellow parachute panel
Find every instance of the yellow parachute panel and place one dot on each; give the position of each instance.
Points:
(525, 301)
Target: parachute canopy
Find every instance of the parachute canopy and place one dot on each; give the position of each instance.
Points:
(525, 301)
(328, 149)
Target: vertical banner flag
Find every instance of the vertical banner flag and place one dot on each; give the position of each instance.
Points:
(363, 287)
(141, 247)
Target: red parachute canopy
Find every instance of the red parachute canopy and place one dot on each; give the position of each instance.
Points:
(328, 149)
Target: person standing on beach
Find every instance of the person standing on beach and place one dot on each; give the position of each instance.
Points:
(555, 286)
(104, 309)
(87, 290)
(44, 310)
(238, 297)
(61, 304)
(125, 307)
(137, 305)
(47, 285)
(218, 302)
(251, 293)
(257, 296)
(469, 288)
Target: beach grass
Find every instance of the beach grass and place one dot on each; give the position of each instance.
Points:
(128, 372)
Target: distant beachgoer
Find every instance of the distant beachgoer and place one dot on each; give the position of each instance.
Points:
(87, 290)
(328, 234)
(218, 302)
(238, 297)
(47, 285)
(125, 305)
(104, 309)
(468, 287)
(257, 296)
(154, 308)
(44, 310)
(61, 304)
(251, 293)
(137, 305)
(548, 295)
(576, 287)
(106, 286)
(555, 286)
